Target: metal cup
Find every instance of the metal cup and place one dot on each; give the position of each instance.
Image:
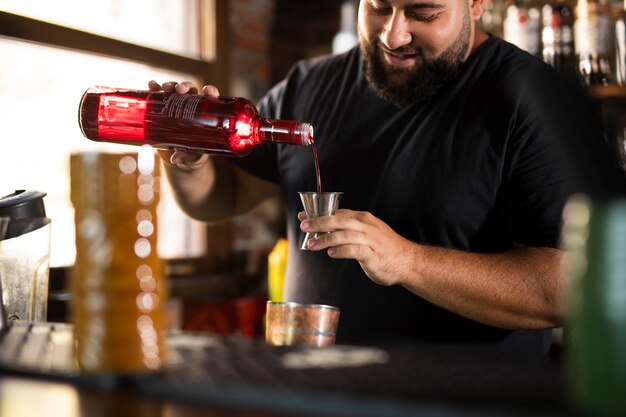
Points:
(316, 205)
(289, 323)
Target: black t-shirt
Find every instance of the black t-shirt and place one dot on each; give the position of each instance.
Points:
(480, 167)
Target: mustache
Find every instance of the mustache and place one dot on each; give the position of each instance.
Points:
(402, 50)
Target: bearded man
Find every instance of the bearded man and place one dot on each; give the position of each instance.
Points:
(456, 152)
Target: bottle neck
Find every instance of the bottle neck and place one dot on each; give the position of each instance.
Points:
(285, 131)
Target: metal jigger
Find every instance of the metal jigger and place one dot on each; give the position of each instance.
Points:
(316, 205)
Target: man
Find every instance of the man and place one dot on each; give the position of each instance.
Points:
(456, 153)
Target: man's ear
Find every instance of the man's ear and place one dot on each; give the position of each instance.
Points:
(476, 8)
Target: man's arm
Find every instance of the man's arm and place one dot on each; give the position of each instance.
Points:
(215, 189)
(517, 289)
(209, 188)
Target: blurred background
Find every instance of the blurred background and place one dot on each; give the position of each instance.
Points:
(51, 52)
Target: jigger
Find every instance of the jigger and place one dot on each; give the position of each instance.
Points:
(316, 205)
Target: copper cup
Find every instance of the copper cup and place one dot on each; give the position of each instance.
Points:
(289, 323)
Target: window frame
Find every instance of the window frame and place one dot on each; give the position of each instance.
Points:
(211, 69)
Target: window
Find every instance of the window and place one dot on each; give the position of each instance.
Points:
(45, 68)
(166, 25)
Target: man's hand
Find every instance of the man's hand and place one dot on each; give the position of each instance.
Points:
(182, 159)
(380, 251)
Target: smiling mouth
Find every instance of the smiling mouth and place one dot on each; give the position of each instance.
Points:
(400, 59)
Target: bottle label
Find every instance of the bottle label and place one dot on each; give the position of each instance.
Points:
(181, 106)
(187, 107)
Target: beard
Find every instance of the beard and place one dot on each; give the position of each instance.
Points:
(404, 86)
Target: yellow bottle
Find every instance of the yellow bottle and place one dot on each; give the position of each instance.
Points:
(277, 265)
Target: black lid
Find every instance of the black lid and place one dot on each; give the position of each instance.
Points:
(23, 203)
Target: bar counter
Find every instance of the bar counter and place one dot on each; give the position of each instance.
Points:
(426, 380)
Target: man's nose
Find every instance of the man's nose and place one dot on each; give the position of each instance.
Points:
(396, 33)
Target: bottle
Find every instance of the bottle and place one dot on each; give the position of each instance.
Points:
(276, 269)
(620, 46)
(592, 34)
(346, 38)
(492, 18)
(557, 36)
(522, 26)
(228, 126)
(594, 236)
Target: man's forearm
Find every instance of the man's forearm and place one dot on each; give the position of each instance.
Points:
(519, 289)
(206, 193)
(215, 188)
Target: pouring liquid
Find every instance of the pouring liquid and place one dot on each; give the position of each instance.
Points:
(318, 176)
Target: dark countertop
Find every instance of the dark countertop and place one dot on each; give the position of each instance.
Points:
(223, 376)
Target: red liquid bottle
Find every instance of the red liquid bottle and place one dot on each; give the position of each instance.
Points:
(220, 125)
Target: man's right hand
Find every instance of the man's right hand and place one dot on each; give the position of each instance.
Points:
(184, 160)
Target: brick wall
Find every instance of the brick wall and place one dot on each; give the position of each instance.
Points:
(250, 22)
(302, 29)
(268, 36)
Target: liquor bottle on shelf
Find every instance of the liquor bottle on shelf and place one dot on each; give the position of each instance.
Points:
(522, 26)
(557, 36)
(228, 126)
(346, 38)
(493, 16)
(620, 46)
(593, 40)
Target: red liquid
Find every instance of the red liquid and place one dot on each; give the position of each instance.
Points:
(318, 176)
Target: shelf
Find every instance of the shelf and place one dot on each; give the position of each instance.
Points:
(607, 91)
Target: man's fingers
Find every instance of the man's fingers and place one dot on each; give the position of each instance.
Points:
(154, 86)
(170, 86)
(186, 160)
(186, 87)
(210, 90)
